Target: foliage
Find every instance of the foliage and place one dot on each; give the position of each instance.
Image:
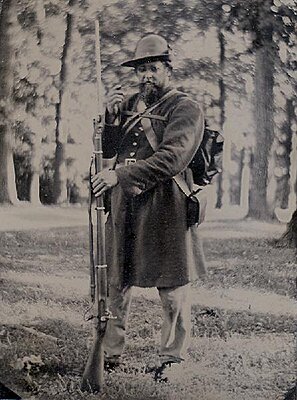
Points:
(48, 84)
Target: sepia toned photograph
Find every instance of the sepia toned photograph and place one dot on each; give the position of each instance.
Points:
(148, 199)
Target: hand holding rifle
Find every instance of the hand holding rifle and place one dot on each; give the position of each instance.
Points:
(103, 181)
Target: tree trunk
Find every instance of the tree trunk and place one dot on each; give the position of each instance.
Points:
(245, 181)
(223, 190)
(289, 238)
(8, 192)
(35, 169)
(60, 174)
(282, 158)
(35, 122)
(263, 115)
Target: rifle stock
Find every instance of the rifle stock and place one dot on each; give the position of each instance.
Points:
(93, 378)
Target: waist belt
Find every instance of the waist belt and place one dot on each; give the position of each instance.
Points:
(127, 161)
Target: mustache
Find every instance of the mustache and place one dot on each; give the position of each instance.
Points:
(148, 84)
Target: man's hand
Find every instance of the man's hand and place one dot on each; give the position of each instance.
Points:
(114, 98)
(104, 180)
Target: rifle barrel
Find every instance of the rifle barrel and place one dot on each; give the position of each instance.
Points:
(98, 68)
(93, 378)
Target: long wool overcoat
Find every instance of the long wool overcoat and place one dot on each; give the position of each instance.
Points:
(147, 240)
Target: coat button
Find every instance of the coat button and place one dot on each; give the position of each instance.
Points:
(132, 154)
(134, 143)
(140, 128)
(136, 134)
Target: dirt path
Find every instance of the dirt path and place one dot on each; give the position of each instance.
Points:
(26, 217)
(75, 286)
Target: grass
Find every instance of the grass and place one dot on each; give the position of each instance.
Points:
(243, 320)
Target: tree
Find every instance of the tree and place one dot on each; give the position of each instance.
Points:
(39, 91)
(58, 92)
(283, 149)
(265, 21)
(288, 159)
(263, 110)
(255, 18)
(7, 175)
(289, 237)
(60, 167)
(35, 160)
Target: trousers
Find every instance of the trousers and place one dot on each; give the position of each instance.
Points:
(176, 326)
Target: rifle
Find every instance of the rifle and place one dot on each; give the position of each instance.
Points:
(93, 378)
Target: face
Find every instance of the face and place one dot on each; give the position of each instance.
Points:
(153, 78)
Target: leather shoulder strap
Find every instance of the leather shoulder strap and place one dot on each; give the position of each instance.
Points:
(150, 116)
(153, 141)
(131, 122)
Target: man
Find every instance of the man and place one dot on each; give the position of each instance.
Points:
(149, 243)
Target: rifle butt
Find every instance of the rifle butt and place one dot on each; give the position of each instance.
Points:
(93, 380)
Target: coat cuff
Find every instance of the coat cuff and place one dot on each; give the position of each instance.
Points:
(130, 190)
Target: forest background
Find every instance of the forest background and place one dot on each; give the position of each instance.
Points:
(236, 58)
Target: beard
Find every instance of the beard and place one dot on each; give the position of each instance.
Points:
(150, 93)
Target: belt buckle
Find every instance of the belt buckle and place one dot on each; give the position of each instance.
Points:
(129, 161)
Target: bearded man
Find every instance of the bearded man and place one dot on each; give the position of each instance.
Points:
(153, 135)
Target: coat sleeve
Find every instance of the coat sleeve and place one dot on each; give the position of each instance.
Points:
(110, 140)
(181, 139)
(112, 134)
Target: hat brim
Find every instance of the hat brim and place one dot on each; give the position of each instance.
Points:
(137, 61)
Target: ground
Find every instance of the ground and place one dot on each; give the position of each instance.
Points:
(243, 314)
